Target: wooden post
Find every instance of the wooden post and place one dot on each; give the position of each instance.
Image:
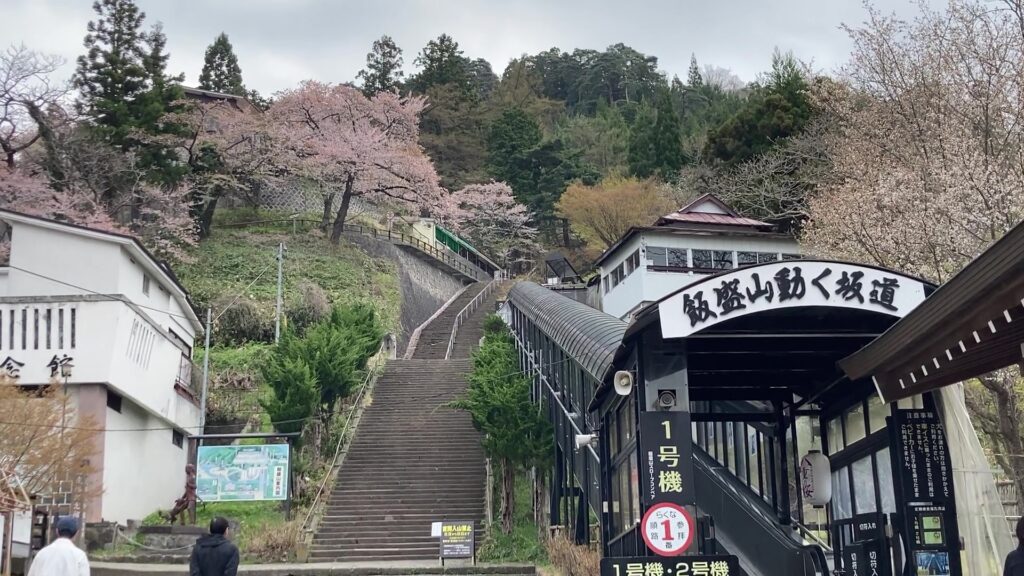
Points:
(8, 540)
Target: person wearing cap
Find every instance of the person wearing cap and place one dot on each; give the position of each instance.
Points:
(61, 557)
(214, 554)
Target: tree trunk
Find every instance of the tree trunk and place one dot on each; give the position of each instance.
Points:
(1003, 423)
(339, 219)
(565, 232)
(325, 220)
(508, 487)
(206, 217)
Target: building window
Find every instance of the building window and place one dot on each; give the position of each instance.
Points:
(656, 256)
(763, 257)
(791, 256)
(177, 438)
(746, 258)
(607, 286)
(145, 284)
(635, 258)
(624, 472)
(114, 401)
(702, 259)
(722, 259)
(677, 258)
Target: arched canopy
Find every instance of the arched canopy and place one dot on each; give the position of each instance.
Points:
(789, 284)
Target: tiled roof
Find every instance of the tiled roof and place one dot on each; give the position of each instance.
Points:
(710, 218)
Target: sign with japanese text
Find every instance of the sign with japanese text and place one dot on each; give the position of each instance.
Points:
(457, 539)
(666, 451)
(667, 529)
(685, 566)
(924, 468)
(787, 284)
(863, 559)
(923, 474)
(240, 473)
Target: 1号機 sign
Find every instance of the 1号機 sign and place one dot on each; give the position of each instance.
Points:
(787, 284)
(242, 473)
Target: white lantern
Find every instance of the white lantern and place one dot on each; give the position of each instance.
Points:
(816, 478)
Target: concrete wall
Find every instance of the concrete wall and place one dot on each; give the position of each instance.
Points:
(423, 287)
(143, 470)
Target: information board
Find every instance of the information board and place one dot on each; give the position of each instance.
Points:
(457, 539)
(242, 473)
(924, 468)
(684, 566)
(923, 474)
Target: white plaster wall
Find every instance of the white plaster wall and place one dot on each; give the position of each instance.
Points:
(143, 471)
(92, 265)
(159, 304)
(622, 298)
(4, 281)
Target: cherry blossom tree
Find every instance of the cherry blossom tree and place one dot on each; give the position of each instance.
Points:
(227, 150)
(927, 149)
(24, 82)
(352, 146)
(491, 218)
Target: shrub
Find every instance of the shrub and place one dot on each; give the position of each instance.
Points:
(295, 394)
(493, 324)
(241, 322)
(309, 306)
(573, 560)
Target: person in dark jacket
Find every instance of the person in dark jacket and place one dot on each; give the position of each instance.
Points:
(214, 554)
(1015, 560)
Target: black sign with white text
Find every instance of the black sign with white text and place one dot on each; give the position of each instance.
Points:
(666, 454)
(683, 566)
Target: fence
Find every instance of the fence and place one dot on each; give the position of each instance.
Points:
(453, 261)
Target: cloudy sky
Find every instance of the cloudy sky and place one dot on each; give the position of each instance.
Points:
(280, 42)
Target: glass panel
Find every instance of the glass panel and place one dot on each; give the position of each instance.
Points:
(634, 488)
(746, 258)
(835, 435)
(864, 485)
(677, 257)
(702, 258)
(730, 447)
(629, 265)
(753, 453)
(905, 404)
(876, 413)
(855, 424)
(624, 495)
(656, 255)
(790, 256)
(723, 259)
(616, 507)
(763, 257)
(885, 484)
(841, 508)
(740, 452)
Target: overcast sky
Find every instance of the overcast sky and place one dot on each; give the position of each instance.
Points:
(280, 42)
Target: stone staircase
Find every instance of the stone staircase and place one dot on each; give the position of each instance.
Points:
(413, 460)
(433, 342)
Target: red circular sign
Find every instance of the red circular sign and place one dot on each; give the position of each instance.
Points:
(667, 529)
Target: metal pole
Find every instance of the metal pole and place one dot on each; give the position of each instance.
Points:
(206, 373)
(280, 279)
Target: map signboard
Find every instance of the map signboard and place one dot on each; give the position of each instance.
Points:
(242, 473)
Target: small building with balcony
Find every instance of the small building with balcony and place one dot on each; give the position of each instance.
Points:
(704, 237)
(95, 312)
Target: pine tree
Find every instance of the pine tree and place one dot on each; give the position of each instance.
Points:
(221, 72)
(442, 63)
(693, 78)
(383, 72)
(641, 144)
(112, 74)
(668, 146)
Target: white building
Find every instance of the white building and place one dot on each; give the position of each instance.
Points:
(704, 237)
(101, 303)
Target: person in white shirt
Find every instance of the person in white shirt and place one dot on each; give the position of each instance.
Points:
(61, 557)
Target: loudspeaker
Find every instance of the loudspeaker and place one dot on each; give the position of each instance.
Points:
(623, 382)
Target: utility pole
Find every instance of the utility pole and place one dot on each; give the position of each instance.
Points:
(206, 373)
(280, 283)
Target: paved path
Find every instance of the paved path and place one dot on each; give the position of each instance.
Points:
(396, 568)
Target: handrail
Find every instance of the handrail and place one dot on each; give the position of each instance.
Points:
(414, 339)
(341, 441)
(466, 311)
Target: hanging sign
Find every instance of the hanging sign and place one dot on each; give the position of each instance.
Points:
(666, 451)
(685, 566)
(668, 529)
(787, 284)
